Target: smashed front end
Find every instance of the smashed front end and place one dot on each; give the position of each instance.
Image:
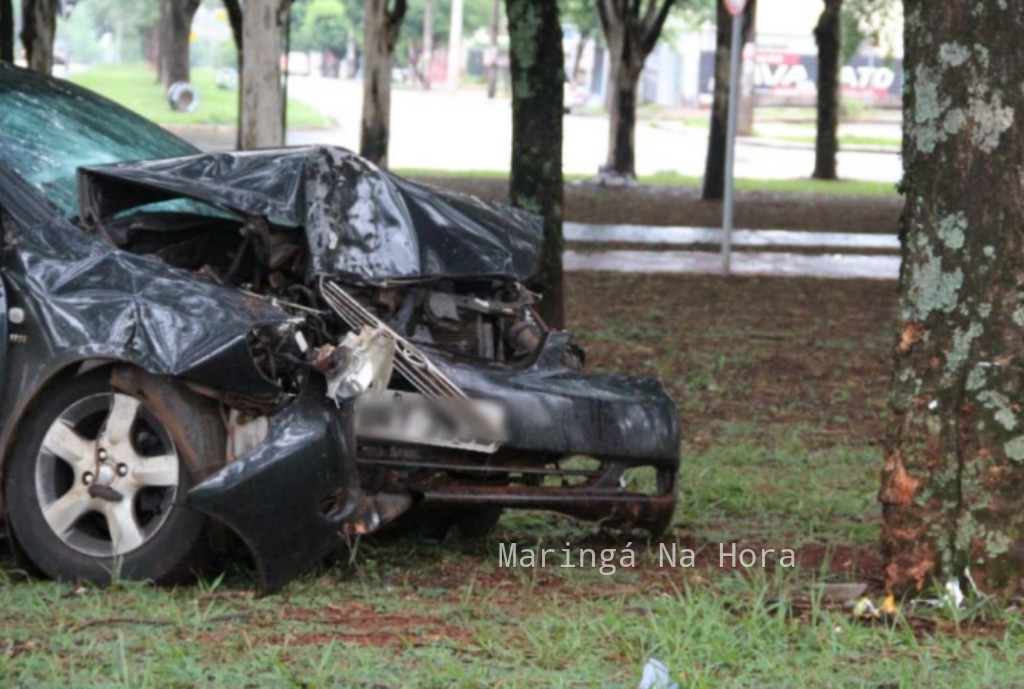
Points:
(413, 371)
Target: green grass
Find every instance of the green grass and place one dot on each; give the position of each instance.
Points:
(844, 139)
(766, 463)
(666, 178)
(443, 614)
(134, 87)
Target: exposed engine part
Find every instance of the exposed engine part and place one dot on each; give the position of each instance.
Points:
(279, 353)
(362, 362)
(245, 433)
(370, 512)
(525, 335)
(413, 364)
(407, 417)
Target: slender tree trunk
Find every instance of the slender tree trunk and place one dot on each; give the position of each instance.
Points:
(492, 51)
(234, 10)
(953, 482)
(161, 29)
(622, 119)
(714, 164)
(177, 49)
(631, 31)
(828, 35)
(536, 184)
(381, 26)
(577, 58)
(37, 33)
(7, 30)
(455, 45)
(263, 25)
(428, 42)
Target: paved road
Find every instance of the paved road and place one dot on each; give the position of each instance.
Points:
(466, 131)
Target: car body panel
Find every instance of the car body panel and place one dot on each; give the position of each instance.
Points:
(85, 301)
(358, 219)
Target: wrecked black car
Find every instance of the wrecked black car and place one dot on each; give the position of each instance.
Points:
(291, 344)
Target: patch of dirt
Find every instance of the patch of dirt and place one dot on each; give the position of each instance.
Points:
(673, 205)
(816, 354)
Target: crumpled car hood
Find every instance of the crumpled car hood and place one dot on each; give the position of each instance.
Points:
(358, 219)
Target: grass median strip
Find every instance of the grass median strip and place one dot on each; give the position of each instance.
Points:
(781, 390)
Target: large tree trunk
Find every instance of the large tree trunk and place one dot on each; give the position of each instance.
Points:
(631, 32)
(37, 32)
(177, 48)
(953, 482)
(536, 184)
(261, 118)
(828, 35)
(380, 26)
(714, 164)
(7, 30)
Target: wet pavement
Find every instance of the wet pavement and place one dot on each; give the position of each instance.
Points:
(743, 263)
(638, 234)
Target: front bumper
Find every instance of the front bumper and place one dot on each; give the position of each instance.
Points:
(282, 498)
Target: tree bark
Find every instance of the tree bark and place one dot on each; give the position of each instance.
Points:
(536, 184)
(631, 32)
(7, 30)
(380, 25)
(263, 25)
(952, 488)
(37, 33)
(714, 164)
(177, 48)
(828, 36)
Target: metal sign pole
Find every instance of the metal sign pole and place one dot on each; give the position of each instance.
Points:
(730, 138)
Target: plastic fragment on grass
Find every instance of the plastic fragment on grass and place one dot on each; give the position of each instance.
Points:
(865, 609)
(656, 676)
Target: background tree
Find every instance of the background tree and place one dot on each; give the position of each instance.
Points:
(536, 184)
(583, 15)
(323, 25)
(176, 45)
(261, 115)
(714, 164)
(39, 26)
(7, 30)
(828, 36)
(631, 29)
(953, 482)
(381, 22)
(426, 25)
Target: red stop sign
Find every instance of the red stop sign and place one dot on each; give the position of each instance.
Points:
(735, 7)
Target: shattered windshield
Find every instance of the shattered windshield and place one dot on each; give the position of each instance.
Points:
(49, 128)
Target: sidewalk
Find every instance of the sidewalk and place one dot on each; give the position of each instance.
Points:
(743, 263)
(767, 263)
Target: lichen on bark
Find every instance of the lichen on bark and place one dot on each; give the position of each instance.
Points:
(953, 481)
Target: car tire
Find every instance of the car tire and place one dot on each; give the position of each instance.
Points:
(94, 483)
